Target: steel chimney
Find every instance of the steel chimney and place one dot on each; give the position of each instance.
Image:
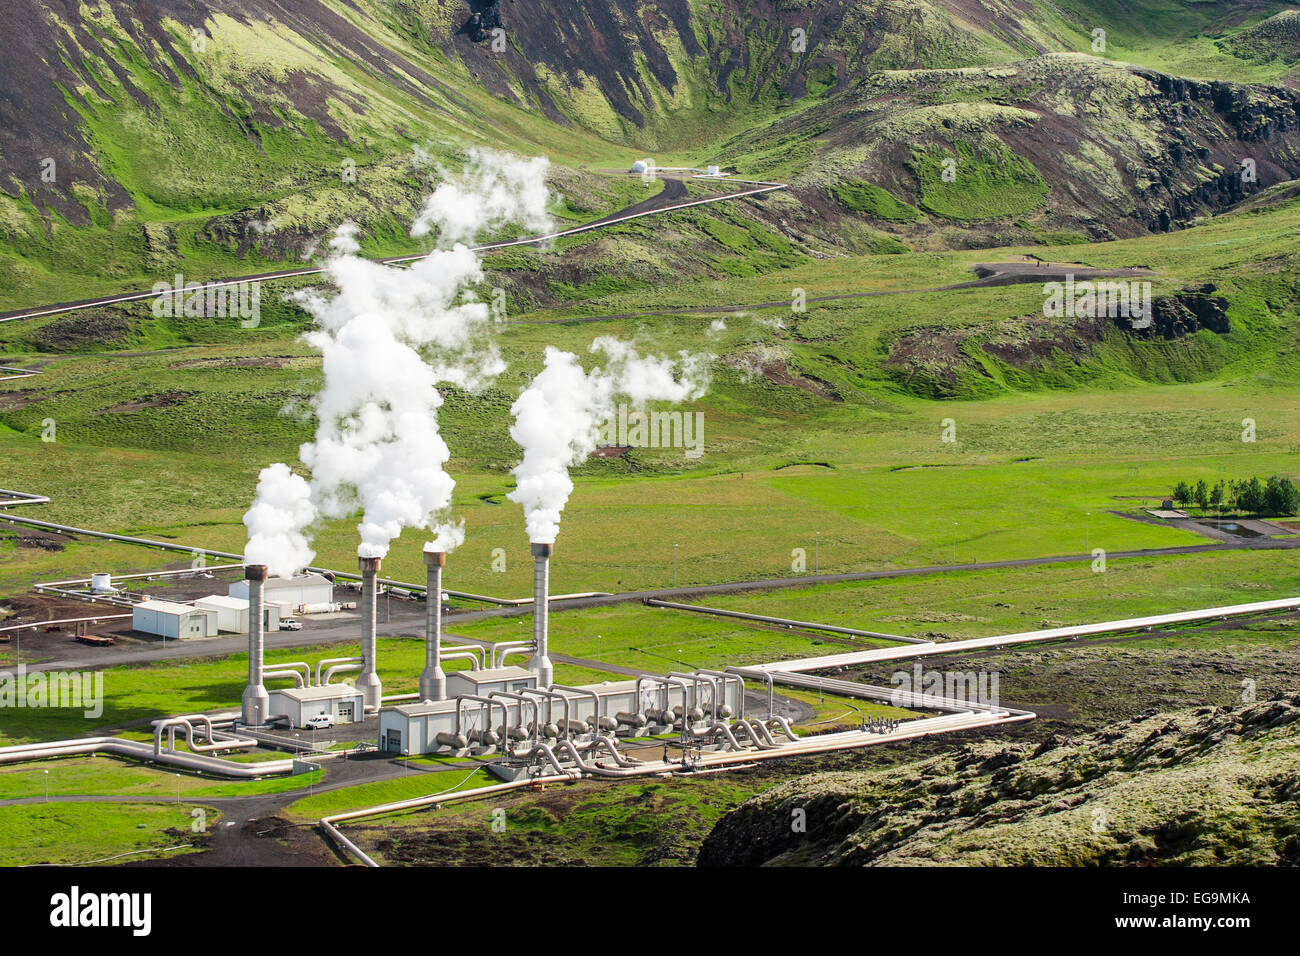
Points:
(368, 681)
(433, 682)
(256, 702)
(539, 662)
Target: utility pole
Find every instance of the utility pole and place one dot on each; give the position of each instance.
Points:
(954, 542)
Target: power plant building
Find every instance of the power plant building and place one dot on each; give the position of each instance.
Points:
(182, 622)
(309, 589)
(299, 704)
(232, 613)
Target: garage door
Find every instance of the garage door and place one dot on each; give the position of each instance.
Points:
(393, 742)
(345, 713)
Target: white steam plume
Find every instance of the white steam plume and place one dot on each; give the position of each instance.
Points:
(276, 521)
(558, 418)
(496, 189)
(388, 338)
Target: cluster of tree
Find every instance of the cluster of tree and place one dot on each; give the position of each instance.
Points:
(1277, 496)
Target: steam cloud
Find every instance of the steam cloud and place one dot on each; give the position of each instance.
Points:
(388, 337)
(558, 417)
(495, 190)
(276, 521)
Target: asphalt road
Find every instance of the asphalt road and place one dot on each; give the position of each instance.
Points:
(672, 197)
(406, 618)
(990, 274)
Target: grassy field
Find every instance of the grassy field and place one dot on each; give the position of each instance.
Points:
(78, 833)
(417, 784)
(103, 776)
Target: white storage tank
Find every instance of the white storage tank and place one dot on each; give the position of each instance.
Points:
(101, 582)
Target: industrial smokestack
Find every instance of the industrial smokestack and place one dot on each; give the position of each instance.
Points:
(368, 681)
(433, 682)
(256, 703)
(539, 662)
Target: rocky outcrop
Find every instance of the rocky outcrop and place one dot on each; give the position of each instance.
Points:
(1187, 312)
(484, 20)
(1214, 785)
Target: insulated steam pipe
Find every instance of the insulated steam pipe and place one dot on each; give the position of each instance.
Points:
(466, 644)
(551, 695)
(277, 674)
(771, 690)
(724, 677)
(499, 650)
(596, 704)
(306, 671)
(487, 728)
(668, 702)
(653, 678)
(333, 660)
(698, 680)
(522, 701)
(338, 669)
(513, 651)
(475, 662)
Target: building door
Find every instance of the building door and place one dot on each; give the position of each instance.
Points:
(393, 742)
(345, 713)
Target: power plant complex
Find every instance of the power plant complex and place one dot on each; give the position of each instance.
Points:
(491, 707)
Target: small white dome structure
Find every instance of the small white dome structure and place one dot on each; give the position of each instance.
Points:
(639, 166)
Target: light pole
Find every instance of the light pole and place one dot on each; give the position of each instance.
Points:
(954, 542)
(597, 647)
(178, 789)
(674, 566)
(47, 786)
(1087, 532)
(817, 561)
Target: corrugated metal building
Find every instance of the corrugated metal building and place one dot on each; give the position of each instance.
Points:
(296, 591)
(180, 621)
(232, 613)
(343, 702)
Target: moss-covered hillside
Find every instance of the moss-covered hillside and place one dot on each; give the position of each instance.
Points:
(1214, 785)
(227, 137)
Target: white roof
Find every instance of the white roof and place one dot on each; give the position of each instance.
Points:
(223, 600)
(326, 692)
(166, 607)
(301, 580)
(494, 674)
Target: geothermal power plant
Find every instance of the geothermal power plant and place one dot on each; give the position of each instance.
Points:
(517, 712)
